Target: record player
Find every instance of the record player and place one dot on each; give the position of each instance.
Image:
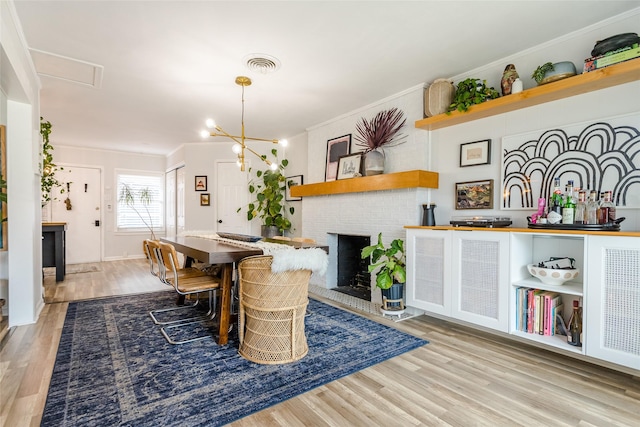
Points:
(480, 221)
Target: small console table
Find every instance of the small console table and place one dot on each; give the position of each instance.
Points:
(53, 247)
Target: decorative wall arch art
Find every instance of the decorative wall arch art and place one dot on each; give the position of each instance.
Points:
(600, 155)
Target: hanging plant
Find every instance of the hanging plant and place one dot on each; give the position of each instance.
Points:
(48, 179)
(470, 92)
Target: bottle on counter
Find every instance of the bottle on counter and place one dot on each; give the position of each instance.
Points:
(581, 208)
(607, 211)
(555, 204)
(575, 326)
(569, 205)
(592, 208)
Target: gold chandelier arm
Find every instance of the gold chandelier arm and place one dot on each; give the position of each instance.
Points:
(258, 155)
(237, 138)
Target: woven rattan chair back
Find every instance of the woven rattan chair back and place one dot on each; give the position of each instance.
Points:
(272, 311)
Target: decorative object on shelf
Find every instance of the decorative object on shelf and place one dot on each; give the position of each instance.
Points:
(438, 96)
(474, 194)
(291, 182)
(240, 146)
(375, 134)
(201, 183)
(336, 148)
(597, 155)
(48, 179)
(508, 77)
(269, 188)
(349, 166)
(615, 42)
(469, 92)
(428, 217)
(517, 86)
(553, 276)
(389, 265)
(549, 72)
(475, 153)
(205, 199)
(480, 221)
(609, 226)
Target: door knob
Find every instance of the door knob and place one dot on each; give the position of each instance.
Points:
(97, 223)
(219, 221)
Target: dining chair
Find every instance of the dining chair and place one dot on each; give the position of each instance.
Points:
(185, 281)
(154, 267)
(271, 313)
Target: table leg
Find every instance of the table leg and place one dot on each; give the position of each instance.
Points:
(225, 304)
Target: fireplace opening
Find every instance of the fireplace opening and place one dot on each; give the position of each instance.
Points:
(353, 278)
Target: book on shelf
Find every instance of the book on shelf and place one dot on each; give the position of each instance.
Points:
(611, 58)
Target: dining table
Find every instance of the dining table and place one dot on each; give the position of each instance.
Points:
(225, 254)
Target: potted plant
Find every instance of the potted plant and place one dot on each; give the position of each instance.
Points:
(131, 198)
(469, 92)
(48, 179)
(268, 186)
(373, 135)
(389, 264)
(549, 72)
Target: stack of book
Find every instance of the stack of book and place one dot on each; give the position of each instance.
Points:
(539, 312)
(612, 57)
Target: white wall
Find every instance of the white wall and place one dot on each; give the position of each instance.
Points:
(114, 245)
(388, 211)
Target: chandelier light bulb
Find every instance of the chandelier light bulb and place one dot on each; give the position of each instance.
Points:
(239, 163)
(237, 148)
(283, 142)
(204, 134)
(211, 124)
(273, 166)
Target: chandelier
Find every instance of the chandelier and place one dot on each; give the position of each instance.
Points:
(240, 146)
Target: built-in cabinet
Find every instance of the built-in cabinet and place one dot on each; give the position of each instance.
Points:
(473, 275)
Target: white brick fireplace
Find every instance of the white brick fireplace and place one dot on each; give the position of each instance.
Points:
(367, 214)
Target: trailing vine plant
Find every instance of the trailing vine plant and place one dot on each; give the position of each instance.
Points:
(48, 179)
(469, 92)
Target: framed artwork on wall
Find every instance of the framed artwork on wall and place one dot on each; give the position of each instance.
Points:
(292, 181)
(349, 166)
(201, 183)
(475, 153)
(205, 199)
(336, 148)
(474, 194)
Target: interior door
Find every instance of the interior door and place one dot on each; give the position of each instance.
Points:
(80, 208)
(170, 189)
(180, 219)
(231, 193)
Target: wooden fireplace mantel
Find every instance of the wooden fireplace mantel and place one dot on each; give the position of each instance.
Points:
(389, 181)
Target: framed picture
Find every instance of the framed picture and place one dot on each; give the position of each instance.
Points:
(475, 153)
(349, 166)
(336, 148)
(474, 194)
(292, 181)
(205, 199)
(201, 183)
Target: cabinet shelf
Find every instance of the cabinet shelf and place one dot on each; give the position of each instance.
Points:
(569, 288)
(557, 341)
(613, 75)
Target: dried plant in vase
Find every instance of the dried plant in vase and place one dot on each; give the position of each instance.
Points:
(373, 135)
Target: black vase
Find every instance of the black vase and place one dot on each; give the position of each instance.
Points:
(428, 218)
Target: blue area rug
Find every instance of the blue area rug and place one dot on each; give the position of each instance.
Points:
(113, 368)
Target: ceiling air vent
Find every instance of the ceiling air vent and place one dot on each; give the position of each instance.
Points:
(262, 63)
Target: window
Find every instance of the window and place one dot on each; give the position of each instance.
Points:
(145, 207)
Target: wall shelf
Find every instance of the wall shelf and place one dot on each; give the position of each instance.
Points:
(613, 75)
(389, 181)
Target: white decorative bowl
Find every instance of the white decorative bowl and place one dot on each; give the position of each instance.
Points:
(552, 276)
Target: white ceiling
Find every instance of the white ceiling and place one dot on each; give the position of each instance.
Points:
(166, 66)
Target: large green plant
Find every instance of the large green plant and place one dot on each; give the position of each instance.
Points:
(388, 260)
(268, 186)
(470, 92)
(48, 179)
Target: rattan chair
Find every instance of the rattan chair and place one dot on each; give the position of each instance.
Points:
(185, 281)
(272, 311)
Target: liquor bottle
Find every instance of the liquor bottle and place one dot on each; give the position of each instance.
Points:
(581, 209)
(607, 211)
(592, 208)
(569, 206)
(575, 326)
(555, 204)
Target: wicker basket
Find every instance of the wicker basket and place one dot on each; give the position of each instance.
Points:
(272, 311)
(438, 96)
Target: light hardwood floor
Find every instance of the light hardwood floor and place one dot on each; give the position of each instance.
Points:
(462, 378)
